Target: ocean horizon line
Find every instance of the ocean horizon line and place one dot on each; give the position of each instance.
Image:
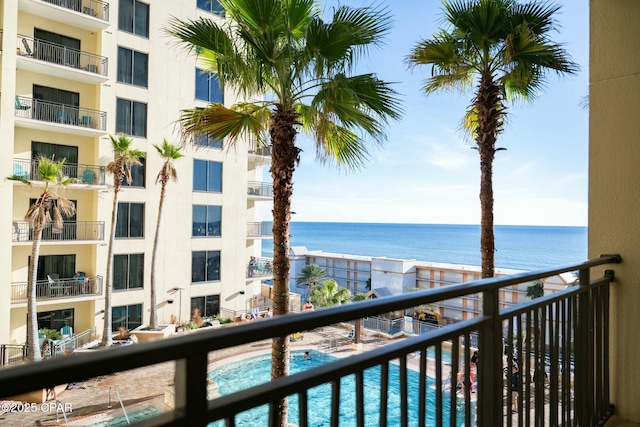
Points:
(437, 224)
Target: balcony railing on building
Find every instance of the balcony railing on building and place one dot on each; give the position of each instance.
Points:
(257, 230)
(54, 288)
(71, 231)
(559, 342)
(260, 156)
(62, 55)
(96, 8)
(84, 174)
(262, 267)
(259, 189)
(55, 112)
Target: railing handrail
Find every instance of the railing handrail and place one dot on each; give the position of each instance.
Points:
(191, 351)
(68, 48)
(59, 104)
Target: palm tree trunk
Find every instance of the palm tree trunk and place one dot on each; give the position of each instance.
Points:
(107, 336)
(33, 343)
(153, 317)
(284, 156)
(489, 107)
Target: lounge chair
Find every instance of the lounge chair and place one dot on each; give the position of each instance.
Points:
(27, 48)
(66, 331)
(18, 171)
(87, 176)
(19, 105)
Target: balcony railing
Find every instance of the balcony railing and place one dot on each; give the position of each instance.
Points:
(54, 289)
(70, 231)
(62, 55)
(84, 174)
(260, 229)
(261, 268)
(564, 335)
(260, 189)
(54, 112)
(96, 8)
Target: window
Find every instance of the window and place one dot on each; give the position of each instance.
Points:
(202, 140)
(207, 176)
(62, 265)
(206, 221)
(133, 17)
(137, 175)
(205, 266)
(130, 222)
(131, 118)
(133, 67)
(207, 87)
(212, 6)
(208, 305)
(58, 152)
(128, 271)
(128, 316)
(55, 319)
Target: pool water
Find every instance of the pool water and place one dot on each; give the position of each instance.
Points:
(250, 372)
(134, 416)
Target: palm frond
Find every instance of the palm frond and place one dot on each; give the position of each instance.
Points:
(221, 122)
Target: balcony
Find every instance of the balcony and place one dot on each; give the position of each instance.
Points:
(262, 268)
(260, 230)
(260, 156)
(259, 190)
(55, 117)
(52, 59)
(71, 232)
(87, 176)
(563, 335)
(91, 15)
(58, 289)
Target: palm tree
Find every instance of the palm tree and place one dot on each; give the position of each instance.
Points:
(301, 67)
(535, 290)
(311, 275)
(46, 210)
(167, 173)
(123, 158)
(504, 49)
(329, 293)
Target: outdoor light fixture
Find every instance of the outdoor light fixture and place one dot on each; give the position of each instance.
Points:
(241, 292)
(169, 301)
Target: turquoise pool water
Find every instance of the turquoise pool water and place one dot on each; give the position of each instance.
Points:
(257, 370)
(134, 416)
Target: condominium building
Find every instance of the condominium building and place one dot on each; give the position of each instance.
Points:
(74, 73)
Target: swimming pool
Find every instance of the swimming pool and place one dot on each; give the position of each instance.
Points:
(134, 416)
(256, 370)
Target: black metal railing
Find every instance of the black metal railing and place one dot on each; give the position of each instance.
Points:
(52, 289)
(54, 112)
(570, 327)
(12, 354)
(84, 174)
(62, 55)
(260, 189)
(96, 8)
(260, 229)
(70, 231)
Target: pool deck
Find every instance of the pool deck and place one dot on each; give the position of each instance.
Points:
(146, 386)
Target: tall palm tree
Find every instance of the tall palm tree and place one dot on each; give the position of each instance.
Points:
(503, 49)
(311, 275)
(535, 290)
(301, 67)
(169, 153)
(46, 210)
(329, 293)
(120, 167)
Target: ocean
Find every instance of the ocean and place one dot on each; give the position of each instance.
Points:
(517, 247)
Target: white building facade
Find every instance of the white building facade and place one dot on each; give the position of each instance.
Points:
(73, 73)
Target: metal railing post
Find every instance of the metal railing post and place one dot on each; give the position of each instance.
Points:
(583, 359)
(490, 358)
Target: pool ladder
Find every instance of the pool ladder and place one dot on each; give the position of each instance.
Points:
(64, 414)
(121, 404)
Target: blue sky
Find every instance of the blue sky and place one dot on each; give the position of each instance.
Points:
(427, 172)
